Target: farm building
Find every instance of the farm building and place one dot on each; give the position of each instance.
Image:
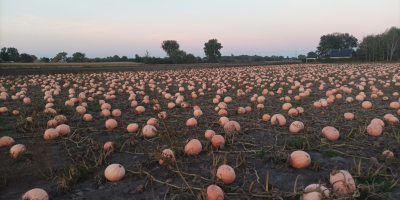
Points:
(341, 53)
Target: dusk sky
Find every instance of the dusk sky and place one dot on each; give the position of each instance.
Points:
(103, 28)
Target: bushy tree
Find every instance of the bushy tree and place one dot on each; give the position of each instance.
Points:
(124, 58)
(25, 58)
(78, 57)
(212, 50)
(34, 57)
(60, 56)
(178, 57)
(312, 54)
(170, 46)
(45, 59)
(301, 57)
(190, 58)
(335, 41)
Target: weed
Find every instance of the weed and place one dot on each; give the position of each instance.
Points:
(296, 103)
(297, 142)
(67, 110)
(261, 153)
(118, 139)
(330, 154)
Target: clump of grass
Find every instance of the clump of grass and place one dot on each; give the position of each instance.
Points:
(296, 103)
(94, 107)
(262, 152)
(377, 183)
(297, 143)
(77, 173)
(330, 154)
(115, 106)
(67, 110)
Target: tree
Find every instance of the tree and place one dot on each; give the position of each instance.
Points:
(169, 46)
(60, 56)
(199, 60)
(25, 58)
(178, 57)
(146, 56)
(190, 58)
(116, 58)
(124, 58)
(137, 58)
(89, 60)
(335, 41)
(211, 49)
(78, 57)
(312, 54)
(301, 57)
(45, 59)
(34, 57)
(4, 55)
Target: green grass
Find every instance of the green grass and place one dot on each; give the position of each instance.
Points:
(6, 120)
(297, 142)
(118, 139)
(330, 154)
(379, 182)
(296, 103)
(77, 172)
(115, 106)
(93, 107)
(67, 110)
(261, 153)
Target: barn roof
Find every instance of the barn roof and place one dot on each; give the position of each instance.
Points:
(341, 52)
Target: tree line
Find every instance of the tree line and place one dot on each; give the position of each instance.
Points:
(381, 47)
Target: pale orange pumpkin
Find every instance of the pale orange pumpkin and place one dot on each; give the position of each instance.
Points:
(140, 109)
(226, 174)
(300, 159)
(6, 140)
(167, 154)
(378, 121)
(132, 128)
(278, 119)
(366, 105)
(217, 140)
(87, 117)
(387, 153)
(342, 182)
(63, 129)
(153, 121)
(374, 130)
(349, 116)
(296, 127)
(214, 192)
(81, 109)
(209, 134)
(311, 194)
(331, 133)
(109, 146)
(114, 172)
(51, 134)
(231, 126)
(223, 120)
(36, 194)
(266, 117)
(111, 124)
(191, 122)
(149, 131)
(16, 150)
(193, 147)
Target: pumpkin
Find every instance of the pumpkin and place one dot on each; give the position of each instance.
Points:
(278, 119)
(132, 128)
(114, 172)
(116, 113)
(149, 131)
(296, 127)
(16, 150)
(342, 182)
(60, 119)
(241, 110)
(81, 109)
(315, 195)
(209, 134)
(109, 145)
(286, 106)
(214, 193)
(111, 124)
(140, 109)
(52, 123)
(27, 100)
(266, 117)
(331, 133)
(231, 126)
(217, 140)
(153, 121)
(3, 110)
(6, 140)
(167, 154)
(63, 129)
(388, 153)
(293, 112)
(193, 147)
(191, 122)
(105, 106)
(36, 194)
(349, 116)
(51, 134)
(366, 105)
(395, 105)
(226, 174)
(223, 120)
(87, 117)
(162, 115)
(374, 130)
(300, 159)
(378, 121)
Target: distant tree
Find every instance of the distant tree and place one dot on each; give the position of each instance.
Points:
(34, 57)
(78, 57)
(211, 49)
(178, 57)
(312, 54)
(45, 59)
(124, 58)
(4, 55)
(25, 58)
(116, 58)
(137, 58)
(190, 58)
(89, 60)
(169, 46)
(199, 60)
(335, 41)
(60, 56)
(146, 56)
(301, 57)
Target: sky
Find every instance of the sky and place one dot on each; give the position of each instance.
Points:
(101, 28)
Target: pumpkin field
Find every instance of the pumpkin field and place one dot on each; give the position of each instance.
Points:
(301, 131)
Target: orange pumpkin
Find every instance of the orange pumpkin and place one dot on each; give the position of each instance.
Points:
(149, 131)
(36, 194)
(214, 193)
(16, 150)
(111, 124)
(226, 174)
(300, 159)
(342, 182)
(51, 134)
(217, 140)
(6, 140)
(193, 147)
(114, 172)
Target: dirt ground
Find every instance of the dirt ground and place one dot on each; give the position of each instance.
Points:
(72, 166)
